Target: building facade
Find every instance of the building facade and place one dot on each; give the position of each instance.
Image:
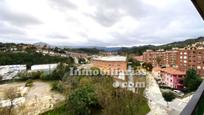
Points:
(181, 59)
(191, 58)
(167, 58)
(110, 63)
(172, 77)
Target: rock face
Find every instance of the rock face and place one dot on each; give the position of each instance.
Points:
(37, 99)
(16, 102)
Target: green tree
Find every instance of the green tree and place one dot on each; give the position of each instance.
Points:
(192, 80)
(134, 62)
(147, 66)
(158, 60)
(82, 101)
(168, 96)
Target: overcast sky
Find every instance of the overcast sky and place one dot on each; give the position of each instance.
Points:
(99, 22)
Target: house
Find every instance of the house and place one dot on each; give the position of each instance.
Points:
(173, 78)
(139, 58)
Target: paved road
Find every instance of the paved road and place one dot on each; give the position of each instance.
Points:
(156, 102)
(153, 94)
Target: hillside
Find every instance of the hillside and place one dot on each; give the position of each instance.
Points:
(180, 44)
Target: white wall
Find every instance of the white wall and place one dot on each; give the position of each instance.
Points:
(44, 67)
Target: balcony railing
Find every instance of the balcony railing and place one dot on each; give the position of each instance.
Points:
(196, 104)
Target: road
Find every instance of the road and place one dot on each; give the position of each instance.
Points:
(157, 103)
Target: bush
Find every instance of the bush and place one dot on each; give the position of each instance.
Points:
(82, 101)
(29, 83)
(168, 96)
(58, 86)
(35, 75)
(45, 76)
(23, 76)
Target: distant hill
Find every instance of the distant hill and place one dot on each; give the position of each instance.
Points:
(180, 44)
(137, 50)
(41, 44)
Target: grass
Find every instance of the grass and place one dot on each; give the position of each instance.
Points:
(124, 102)
(57, 111)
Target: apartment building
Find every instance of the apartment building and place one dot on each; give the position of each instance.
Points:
(191, 58)
(167, 58)
(182, 59)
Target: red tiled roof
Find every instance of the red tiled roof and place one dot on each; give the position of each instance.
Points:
(139, 58)
(173, 71)
(156, 69)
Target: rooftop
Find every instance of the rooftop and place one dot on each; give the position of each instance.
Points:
(139, 58)
(111, 58)
(173, 71)
(156, 69)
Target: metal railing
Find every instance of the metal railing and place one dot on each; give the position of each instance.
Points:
(196, 104)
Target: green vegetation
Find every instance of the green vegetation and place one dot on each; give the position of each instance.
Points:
(57, 86)
(29, 83)
(23, 76)
(96, 95)
(192, 80)
(133, 62)
(83, 50)
(83, 101)
(168, 96)
(147, 66)
(31, 58)
(82, 61)
(140, 49)
(158, 60)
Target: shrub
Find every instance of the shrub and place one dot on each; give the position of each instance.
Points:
(29, 83)
(58, 86)
(82, 101)
(45, 76)
(168, 96)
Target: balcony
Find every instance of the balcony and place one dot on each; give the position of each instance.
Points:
(196, 104)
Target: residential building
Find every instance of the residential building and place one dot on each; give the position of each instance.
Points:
(172, 77)
(191, 58)
(182, 59)
(167, 58)
(139, 58)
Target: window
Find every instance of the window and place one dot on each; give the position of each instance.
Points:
(198, 67)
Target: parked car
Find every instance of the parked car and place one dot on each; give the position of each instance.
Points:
(178, 93)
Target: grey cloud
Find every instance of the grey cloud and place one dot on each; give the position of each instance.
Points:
(18, 19)
(106, 17)
(62, 4)
(6, 29)
(58, 36)
(109, 12)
